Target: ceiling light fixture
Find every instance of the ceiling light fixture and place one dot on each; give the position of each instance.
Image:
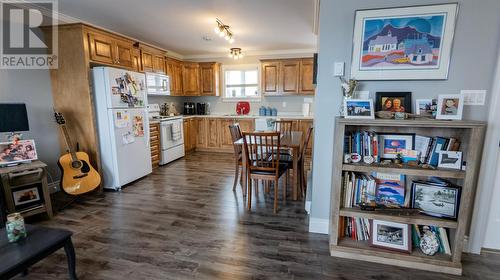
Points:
(223, 31)
(235, 53)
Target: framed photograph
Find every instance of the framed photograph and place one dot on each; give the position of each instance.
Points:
(17, 152)
(390, 236)
(450, 159)
(423, 107)
(393, 102)
(450, 107)
(407, 43)
(359, 109)
(390, 189)
(393, 144)
(27, 196)
(436, 200)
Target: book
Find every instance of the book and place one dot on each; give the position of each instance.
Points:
(390, 189)
(422, 144)
(440, 145)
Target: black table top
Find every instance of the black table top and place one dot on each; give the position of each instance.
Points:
(39, 240)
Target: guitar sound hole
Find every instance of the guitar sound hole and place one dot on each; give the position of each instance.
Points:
(76, 164)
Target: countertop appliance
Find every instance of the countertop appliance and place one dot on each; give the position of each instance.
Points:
(202, 108)
(171, 134)
(123, 125)
(189, 108)
(243, 108)
(157, 84)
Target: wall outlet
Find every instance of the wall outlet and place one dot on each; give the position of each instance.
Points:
(474, 97)
(338, 69)
(283, 104)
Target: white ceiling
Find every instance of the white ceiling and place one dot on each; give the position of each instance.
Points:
(259, 26)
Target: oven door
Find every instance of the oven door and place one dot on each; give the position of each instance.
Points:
(172, 134)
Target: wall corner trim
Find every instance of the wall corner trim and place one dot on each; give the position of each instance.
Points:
(317, 225)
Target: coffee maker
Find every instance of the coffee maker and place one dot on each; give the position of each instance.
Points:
(189, 108)
(202, 108)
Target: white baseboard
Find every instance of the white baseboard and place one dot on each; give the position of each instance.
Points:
(319, 225)
(307, 207)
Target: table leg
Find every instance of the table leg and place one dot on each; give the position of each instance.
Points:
(244, 174)
(70, 255)
(295, 181)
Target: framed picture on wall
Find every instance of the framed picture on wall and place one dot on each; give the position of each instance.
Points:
(407, 43)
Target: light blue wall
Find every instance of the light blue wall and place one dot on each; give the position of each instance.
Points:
(472, 65)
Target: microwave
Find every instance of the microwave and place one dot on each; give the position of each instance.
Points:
(157, 84)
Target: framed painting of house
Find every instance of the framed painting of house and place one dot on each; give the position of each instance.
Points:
(409, 43)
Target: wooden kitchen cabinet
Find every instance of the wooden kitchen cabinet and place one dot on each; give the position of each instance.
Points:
(154, 134)
(246, 125)
(213, 131)
(147, 61)
(191, 79)
(190, 134)
(174, 71)
(201, 138)
(159, 64)
(226, 141)
(110, 50)
(136, 60)
(209, 78)
(287, 76)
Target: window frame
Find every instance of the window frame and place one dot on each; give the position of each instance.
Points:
(230, 67)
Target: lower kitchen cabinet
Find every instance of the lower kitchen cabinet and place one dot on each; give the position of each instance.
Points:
(154, 143)
(213, 131)
(190, 134)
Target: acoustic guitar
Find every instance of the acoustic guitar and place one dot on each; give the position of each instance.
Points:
(78, 176)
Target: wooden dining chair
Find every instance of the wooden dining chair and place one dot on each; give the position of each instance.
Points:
(283, 126)
(236, 135)
(260, 149)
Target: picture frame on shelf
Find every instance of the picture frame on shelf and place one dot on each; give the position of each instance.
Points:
(450, 107)
(436, 200)
(392, 144)
(393, 102)
(390, 236)
(403, 43)
(359, 109)
(26, 197)
(423, 107)
(17, 152)
(450, 159)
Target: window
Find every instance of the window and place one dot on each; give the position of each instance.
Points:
(241, 82)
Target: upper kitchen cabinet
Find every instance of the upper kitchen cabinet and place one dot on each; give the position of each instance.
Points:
(108, 49)
(287, 76)
(209, 78)
(153, 60)
(191, 79)
(136, 60)
(174, 71)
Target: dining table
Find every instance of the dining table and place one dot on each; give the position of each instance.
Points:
(289, 140)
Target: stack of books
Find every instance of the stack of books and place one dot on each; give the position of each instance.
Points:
(364, 143)
(441, 234)
(355, 228)
(429, 147)
(358, 188)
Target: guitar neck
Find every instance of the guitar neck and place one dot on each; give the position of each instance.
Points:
(69, 143)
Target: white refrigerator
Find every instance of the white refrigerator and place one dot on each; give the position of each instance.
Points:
(123, 127)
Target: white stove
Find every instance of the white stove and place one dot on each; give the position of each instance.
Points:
(171, 134)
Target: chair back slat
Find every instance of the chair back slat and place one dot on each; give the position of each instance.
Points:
(283, 126)
(306, 142)
(261, 150)
(236, 135)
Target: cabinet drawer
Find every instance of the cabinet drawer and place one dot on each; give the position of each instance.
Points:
(156, 134)
(155, 157)
(154, 142)
(154, 138)
(155, 149)
(154, 128)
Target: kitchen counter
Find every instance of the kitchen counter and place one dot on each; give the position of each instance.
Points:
(228, 116)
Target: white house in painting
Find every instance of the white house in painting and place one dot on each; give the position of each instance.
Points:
(418, 51)
(383, 43)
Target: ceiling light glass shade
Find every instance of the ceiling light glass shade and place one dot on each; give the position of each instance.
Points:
(216, 30)
(230, 55)
(231, 40)
(227, 37)
(222, 34)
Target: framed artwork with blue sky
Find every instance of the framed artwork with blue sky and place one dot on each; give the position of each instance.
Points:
(410, 43)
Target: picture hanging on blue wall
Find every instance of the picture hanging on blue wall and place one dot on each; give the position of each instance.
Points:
(410, 43)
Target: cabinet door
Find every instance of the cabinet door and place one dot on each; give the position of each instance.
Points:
(306, 76)
(270, 77)
(289, 76)
(101, 48)
(193, 133)
(202, 133)
(124, 54)
(159, 64)
(187, 130)
(178, 78)
(226, 141)
(147, 61)
(190, 75)
(136, 60)
(171, 74)
(247, 125)
(208, 79)
(213, 133)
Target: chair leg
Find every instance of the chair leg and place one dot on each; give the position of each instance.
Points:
(285, 186)
(236, 172)
(249, 194)
(256, 183)
(243, 190)
(267, 184)
(276, 196)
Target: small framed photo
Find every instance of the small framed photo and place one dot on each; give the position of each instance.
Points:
(390, 236)
(423, 107)
(393, 144)
(27, 196)
(17, 152)
(436, 200)
(450, 159)
(450, 107)
(393, 102)
(359, 109)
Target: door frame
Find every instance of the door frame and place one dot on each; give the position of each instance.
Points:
(487, 175)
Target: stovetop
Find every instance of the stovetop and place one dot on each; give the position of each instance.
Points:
(165, 118)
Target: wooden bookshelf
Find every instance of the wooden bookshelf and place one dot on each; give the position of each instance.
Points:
(470, 133)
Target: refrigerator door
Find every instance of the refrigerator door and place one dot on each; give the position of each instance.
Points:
(131, 141)
(123, 89)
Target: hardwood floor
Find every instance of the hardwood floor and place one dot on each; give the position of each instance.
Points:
(184, 222)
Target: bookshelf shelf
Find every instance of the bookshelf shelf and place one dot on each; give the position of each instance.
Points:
(414, 219)
(469, 133)
(406, 170)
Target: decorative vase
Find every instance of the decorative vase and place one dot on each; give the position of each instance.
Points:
(429, 243)
(15, 227)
